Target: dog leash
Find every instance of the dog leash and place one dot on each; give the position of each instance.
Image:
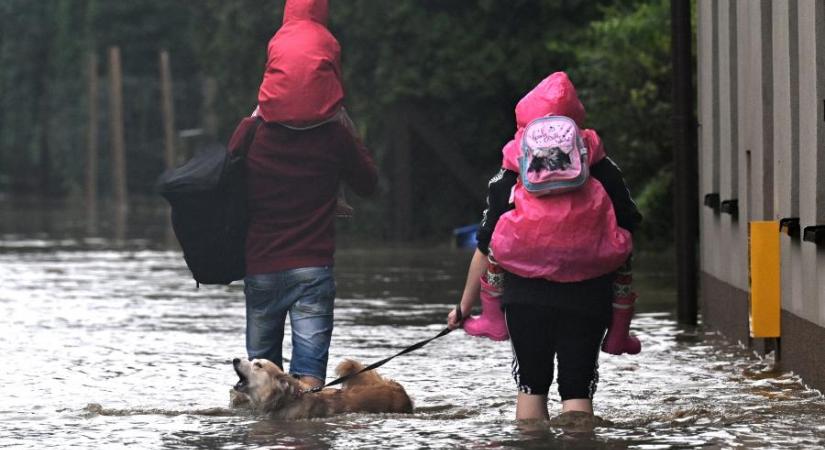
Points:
(378, 364)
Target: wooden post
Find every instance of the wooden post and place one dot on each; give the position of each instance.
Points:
(91, 149)
(117, 141)
(168, 108)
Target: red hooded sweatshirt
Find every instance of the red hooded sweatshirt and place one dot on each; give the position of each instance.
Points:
(293, 175)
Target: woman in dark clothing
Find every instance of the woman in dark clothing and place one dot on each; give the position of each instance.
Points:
(556, 318)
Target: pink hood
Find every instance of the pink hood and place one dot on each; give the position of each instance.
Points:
(302, 83)
(554, 96)
(314, 10)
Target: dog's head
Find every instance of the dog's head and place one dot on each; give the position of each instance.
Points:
(266, 385)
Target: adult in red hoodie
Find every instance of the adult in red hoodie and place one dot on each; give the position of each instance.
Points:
(303, 150)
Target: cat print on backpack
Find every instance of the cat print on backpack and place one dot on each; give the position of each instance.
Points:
(550, 159)
(553, 156)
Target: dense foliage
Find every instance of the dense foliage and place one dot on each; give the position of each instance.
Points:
(464, 63)
(624, 74)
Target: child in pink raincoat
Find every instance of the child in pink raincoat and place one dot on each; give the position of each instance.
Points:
(561, 254)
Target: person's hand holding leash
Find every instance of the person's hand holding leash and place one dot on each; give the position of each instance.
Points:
(472, 287)
(455, 318)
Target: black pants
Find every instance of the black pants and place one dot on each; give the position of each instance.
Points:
(539, 334)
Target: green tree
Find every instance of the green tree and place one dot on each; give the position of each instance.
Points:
(624, 78)
(24, 37)
(464, 63)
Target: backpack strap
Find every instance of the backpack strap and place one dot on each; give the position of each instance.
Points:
(243, 136)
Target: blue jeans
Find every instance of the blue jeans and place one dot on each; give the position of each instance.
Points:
(308, 295)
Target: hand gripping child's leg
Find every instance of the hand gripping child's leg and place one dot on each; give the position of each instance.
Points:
(342, 208)
(490, 323)
(619, 340)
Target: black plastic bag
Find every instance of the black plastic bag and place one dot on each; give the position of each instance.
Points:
(209, 210)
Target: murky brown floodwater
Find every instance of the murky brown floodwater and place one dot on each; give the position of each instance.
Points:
(108, 345)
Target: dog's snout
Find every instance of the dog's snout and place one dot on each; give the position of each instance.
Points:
(236, 361)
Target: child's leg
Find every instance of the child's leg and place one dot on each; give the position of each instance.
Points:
(532, 336)
(490, 323)
(577, 346)
(619, 340)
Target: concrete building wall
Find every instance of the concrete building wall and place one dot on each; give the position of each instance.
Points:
(756, 111)
(761, 83)
(786, 160)
(811, 95)
(730, 227)
(707, 107)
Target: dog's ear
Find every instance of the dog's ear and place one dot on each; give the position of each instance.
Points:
(287, 384)
(284, 382)
(282, 390)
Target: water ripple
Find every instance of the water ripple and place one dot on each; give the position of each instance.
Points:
(116, 347)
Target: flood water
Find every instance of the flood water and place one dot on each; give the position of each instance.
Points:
(108, 344)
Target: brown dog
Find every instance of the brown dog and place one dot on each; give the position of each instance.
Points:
(270, 390)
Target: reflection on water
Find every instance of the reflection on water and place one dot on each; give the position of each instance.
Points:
(115, 346)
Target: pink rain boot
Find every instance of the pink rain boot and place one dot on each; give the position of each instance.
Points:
(619, 340)
(490, 323)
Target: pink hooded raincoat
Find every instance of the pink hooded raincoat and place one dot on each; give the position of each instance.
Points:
(559, 237)
(302, 83)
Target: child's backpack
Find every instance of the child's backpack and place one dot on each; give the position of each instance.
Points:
(209, 211)
(553, 156)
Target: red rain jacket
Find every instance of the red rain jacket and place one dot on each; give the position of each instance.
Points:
(302, 83)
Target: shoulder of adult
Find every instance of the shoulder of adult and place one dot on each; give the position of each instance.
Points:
(244, 133)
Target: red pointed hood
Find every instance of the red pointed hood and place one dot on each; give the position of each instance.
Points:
(314, 10)
(302, 83)
(555, 95)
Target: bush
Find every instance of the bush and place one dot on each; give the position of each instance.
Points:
(656, 204)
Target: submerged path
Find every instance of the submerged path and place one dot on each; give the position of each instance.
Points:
(126, 331)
